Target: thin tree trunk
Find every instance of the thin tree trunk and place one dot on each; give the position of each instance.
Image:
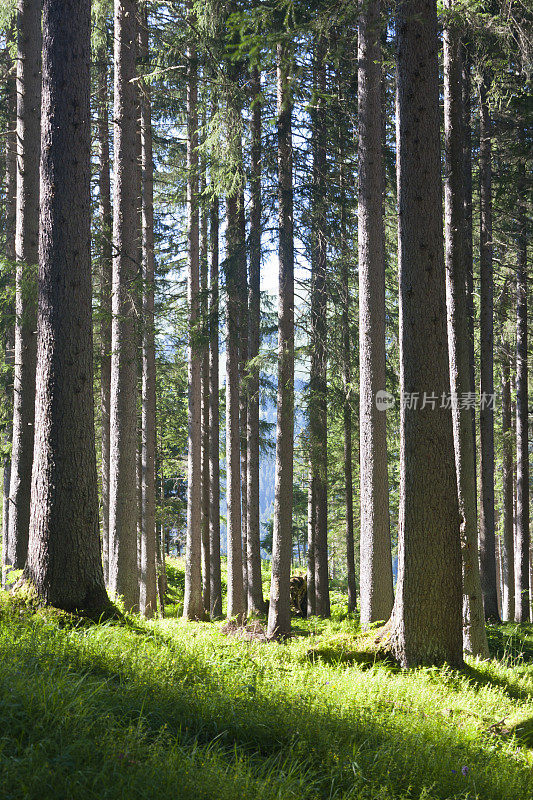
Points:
(522, 611)
(193, 603)
(106, 252)
(26, 246)
(507, 487)
(243, 398)
(426, 621)
(64, 559)
(311, 530)
(279, 617)
(123, 512)
(9, 251)
(474, 635)
(376, 561)
(206, 556)
(148, 585)
(215, 589)
(255, 599)
(318, 404)
(487, 538)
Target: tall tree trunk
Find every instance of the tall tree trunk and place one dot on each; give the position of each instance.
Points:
(206, 556)
(106, 253)
(243, 398)
(376, 560)
(123, 513)
(26, 246)
(64, 560)
(474, 635)
(508, 601)
(193, 603)
(215, 589)
(279, 616)
(236, 599)
(426, 619)
(487, 538)
(522, 611)
(9, 252)
(318, 403)
(311, 530)
(148, 584)
(255, 599)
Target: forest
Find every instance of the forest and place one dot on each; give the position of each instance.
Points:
(264, 418)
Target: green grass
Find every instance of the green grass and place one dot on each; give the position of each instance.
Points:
(179, 710)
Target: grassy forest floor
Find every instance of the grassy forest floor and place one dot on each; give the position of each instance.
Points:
(170, 709)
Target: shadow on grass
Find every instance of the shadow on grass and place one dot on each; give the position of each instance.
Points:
(62, 689)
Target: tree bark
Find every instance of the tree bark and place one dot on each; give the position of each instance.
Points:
(106, 258)
(148, 583)
(508, 600)
(243, 396)
(9, 252)
(474, 635)
(26, 246)
(487, 540)
(376, 589)
(255, 599)
(426, 623)
(215, 589)
(123, 501)
(522, 610)
(193, 603)
(318, 402)
(64, 560)
(279, 617)
(204, 270)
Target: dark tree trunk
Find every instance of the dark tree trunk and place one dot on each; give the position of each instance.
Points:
(243, 397)
(215, 590)
(26, 246)
(508, 600)
(106, 227)
(123, 500)
(318, 401)
(522, 611)
(193, 603)
(426, 626)
(9, 252)
(255, 599)
(376, 590)
(487, 539)
(311, 528)
(279, 617)
(64, 559)
(148, 583)
(474, 635)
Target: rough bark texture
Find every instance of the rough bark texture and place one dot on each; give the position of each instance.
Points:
(311, 528)
(474, 635)
(487, 539)
(9, 252)
(123, 501)
(243, 396)
(215, 590)
(105, 280)
(318, 402)
(193, 603)
(279, 617)
(148, 580)
(255, 599)
(236, 599)
(26, 246)
(64, 561)
(376, 562)
(522, 610)
(426, 625)
(508, 599)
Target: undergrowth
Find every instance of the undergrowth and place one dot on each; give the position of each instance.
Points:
(170, 709)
